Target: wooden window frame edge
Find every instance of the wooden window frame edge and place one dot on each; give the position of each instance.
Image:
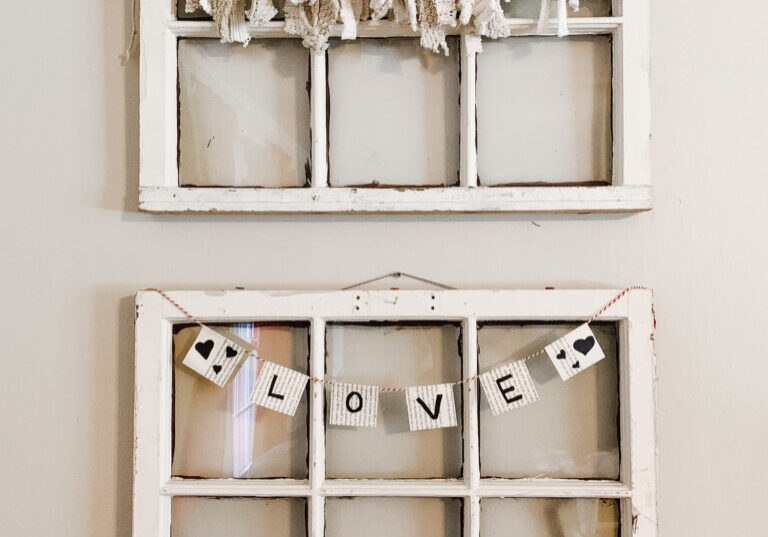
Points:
(629, 190)
(154, 485)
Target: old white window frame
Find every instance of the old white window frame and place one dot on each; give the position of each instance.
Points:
(154, 487)
(630, 190)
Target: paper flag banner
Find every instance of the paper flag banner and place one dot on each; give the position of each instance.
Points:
(508, 386)
(278, 388)
(214, 356)
(354, 405)
(574, 352)
(430, 407)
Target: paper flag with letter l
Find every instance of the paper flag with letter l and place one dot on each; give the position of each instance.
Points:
(508, 386)
(430, 407)
(278, 388)
(574, 352)
(354, 405)
(214, 356)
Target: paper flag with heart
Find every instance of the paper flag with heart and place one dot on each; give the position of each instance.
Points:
(574, 352)
(508, 386)
(214, 356)
(278, 388)
(354, 405)
(430, 407)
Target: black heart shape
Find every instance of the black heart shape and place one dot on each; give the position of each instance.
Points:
(561, 354)
(216, 369)
(584, 345)
(230, 352)
(204, 348)
(575, 364)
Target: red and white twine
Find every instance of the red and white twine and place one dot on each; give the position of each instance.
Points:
(252, 352)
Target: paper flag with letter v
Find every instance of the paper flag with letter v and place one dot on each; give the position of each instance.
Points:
(508, 386)
(574, 352)
(354, 405)
(278, 388)
(430, 407)
(214, 356)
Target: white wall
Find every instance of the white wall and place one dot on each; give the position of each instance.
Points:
(74, 251)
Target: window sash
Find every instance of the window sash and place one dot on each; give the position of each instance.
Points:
(154, 487)
(629, 191)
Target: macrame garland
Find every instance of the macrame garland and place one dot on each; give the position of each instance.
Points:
(229, 16)
(312, 20)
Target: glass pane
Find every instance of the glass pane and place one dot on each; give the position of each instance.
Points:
(544, 110)
(572, 431)
(243, 113)
(393, 355)
(217, 432)
(387, 517)
(238, 517)
(536, 517)
(394, 113)
(529, 9)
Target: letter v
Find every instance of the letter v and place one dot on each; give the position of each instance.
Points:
(431, 414)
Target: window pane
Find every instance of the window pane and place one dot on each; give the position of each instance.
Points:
(393, 355)
(394, 113)
(529, 9)
(238, 517)
(218, 433)
(544, 110)
(572, 431)
(386, 517)
(243, 113)
(535, 517)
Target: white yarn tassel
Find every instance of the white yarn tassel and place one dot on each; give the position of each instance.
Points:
(489, 19)
(562, 18)
(543, 15)
(349, 12)
(380, 8)
(465, 11)
(229, 16)
(261, 11)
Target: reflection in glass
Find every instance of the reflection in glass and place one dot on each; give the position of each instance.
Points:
(387, 517)
(536, 517)
(572, 432)
(237, 517)
(218, 432)
(243, 113)
(393, 355)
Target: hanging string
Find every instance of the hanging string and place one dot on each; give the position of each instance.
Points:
(397, 275)
(252, 352)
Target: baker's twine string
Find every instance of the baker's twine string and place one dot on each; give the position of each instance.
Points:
(473, 378)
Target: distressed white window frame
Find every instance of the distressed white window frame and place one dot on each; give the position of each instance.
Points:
(630, 189)
(154, 487)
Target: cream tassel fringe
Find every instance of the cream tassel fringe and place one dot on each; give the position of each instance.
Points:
(489, 19)
(229, 16)
(313, 20)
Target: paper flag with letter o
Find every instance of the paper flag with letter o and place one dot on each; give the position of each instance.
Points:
(430, 407)
(214, 356)
(574, 352)
(278, 388)
(354, 405)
